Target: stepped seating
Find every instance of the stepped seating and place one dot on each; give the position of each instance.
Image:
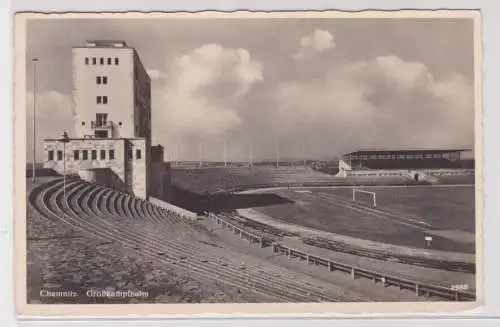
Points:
(374, 180)
(456, 179)
(209, 180)
(165, 237)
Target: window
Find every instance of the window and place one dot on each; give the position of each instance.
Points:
(101, 119)
(59, 155)
(102, 134)
(94, 61)
(94, 154)
(101, 61)
(85, 155)
(83, 123)
(86, 60)
(111, 154)
(129, 154)
(101, 80)
(109, 61)
(76, 154)
(138, 154)
(117, 61)
(102, 99)
(51, 155)
(103, 154)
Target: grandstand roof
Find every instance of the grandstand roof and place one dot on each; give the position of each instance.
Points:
(405, 151)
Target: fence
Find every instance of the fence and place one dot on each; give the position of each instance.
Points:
(419, 288)
(244, 234)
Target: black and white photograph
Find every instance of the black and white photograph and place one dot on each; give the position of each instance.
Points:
(248, 159)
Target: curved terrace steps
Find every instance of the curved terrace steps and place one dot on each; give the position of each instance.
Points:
(76, 210)
(87, 202)
(68, 214)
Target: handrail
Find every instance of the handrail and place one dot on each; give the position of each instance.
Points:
(263, 241)
(355, 271)
(386, 279)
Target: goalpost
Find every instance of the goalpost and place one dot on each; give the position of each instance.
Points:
(371, 193)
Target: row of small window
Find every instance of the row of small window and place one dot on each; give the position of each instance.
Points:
(101, 123)
(398, 156)
(102, 61)
(93, 154)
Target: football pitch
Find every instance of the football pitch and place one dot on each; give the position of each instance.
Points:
(402, 216)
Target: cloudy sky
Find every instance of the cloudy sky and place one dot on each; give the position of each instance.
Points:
(326, 85)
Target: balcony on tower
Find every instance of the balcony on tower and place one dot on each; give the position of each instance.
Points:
(102, 127)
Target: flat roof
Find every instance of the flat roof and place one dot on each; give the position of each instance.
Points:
(97, 139)
(405, 151)
(106, 43)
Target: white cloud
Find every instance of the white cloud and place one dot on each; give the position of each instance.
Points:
(319, 41)
(154, 74)
(384, 102)
(203, 92)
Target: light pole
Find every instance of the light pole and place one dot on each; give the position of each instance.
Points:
(64, 139)
(225, 153)
(304, 152)
(200, 154)
(277, 153)
(250, 162)
(34, 60)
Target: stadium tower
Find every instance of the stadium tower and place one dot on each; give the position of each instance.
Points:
(112, 120)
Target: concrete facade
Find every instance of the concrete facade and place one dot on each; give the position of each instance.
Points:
(112, 119)
(127, 160)
(157, 173)
(109, 79)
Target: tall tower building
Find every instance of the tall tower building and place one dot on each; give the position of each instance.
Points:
(112, 119)
(111, 91)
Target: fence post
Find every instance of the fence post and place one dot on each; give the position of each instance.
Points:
(353, 273)
(330, 266)
(416, 290)
(456, 296)
(289, 253)
(307, 258)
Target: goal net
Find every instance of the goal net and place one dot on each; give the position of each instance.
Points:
(364, 197)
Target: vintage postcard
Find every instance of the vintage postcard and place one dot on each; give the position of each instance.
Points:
(276, 163)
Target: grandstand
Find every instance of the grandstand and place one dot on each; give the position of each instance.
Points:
(212, 180)
(444, 165)
(120, 221)
(167, 237)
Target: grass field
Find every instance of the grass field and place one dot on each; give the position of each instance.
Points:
(403, 216)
